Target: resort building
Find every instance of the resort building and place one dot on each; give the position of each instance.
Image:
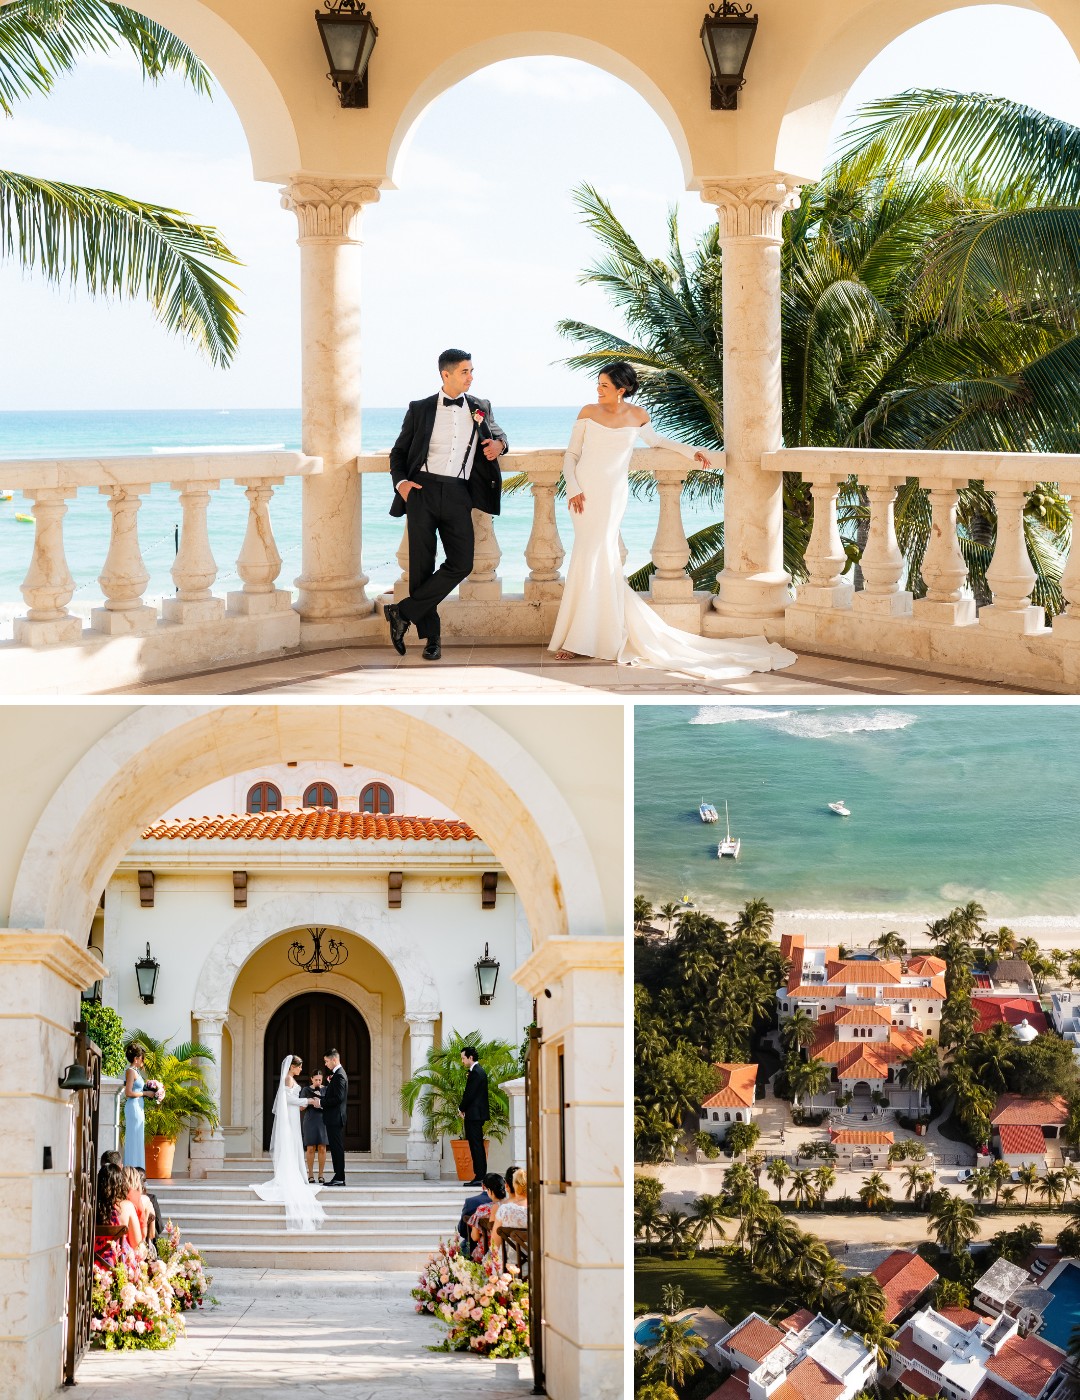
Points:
(861, 1148)
(969, 1356)
(905, 1278)
(1065, 1014)
(813, 1359)
(871, 1014)
(1016, 1011)
(733, 1101)
(1008, 1290)
(1025, 1131)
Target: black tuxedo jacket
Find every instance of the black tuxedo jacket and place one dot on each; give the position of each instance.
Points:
(409, 454)
(474, 1101)
(335, 1098)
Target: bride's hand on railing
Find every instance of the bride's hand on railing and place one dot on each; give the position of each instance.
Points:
(577, 503)
(702, 459)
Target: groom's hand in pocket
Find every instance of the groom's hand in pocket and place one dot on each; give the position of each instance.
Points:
(405, 487)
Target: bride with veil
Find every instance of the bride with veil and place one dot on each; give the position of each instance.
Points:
(289, 1187)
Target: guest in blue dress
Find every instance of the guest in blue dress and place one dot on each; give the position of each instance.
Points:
(134, 1119)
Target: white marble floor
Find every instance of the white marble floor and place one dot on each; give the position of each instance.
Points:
(343, 1335)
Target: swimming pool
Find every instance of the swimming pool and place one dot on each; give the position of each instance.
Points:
(646, 1331)
(1063, 1314)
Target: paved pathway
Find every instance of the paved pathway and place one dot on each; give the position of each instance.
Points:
(345, 1335)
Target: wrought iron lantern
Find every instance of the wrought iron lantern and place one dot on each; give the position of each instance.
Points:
(320, 961)
(487, 974)
(727, 34)
(348, 35)
(146, 972)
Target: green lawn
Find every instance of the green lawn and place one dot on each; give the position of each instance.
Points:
(725, 1285)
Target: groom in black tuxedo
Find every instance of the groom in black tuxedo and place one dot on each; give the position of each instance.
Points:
(475, 1110)
(443, 465)
(334, 1103)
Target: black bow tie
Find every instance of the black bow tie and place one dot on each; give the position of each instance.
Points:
(453, 403)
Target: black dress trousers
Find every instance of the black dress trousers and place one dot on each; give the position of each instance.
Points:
(440, 510)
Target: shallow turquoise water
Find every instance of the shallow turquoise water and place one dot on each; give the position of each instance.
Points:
(948, 803)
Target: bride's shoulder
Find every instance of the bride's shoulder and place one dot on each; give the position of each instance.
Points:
(641, 418)
(589, 411)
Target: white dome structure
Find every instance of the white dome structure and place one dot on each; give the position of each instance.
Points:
(1025, 1032)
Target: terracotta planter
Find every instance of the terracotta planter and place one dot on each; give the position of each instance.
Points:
(159, 1158)
(463, 1157)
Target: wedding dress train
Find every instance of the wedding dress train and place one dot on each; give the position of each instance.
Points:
(290, 1187)
(600, 614)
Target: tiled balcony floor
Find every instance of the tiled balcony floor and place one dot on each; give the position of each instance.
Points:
(472, 670)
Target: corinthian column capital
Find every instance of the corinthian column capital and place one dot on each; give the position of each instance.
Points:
(752, 206)
(329, 209)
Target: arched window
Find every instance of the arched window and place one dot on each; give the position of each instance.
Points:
(264, 797)
(320, 795)
(377, 799)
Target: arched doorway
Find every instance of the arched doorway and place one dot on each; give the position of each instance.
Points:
(308, 1026)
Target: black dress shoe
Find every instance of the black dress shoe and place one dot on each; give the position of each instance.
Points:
(398, 627)
(335, 1182)
(475, 1182)
(433, 650)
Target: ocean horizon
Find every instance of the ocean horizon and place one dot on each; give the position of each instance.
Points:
(45, 434)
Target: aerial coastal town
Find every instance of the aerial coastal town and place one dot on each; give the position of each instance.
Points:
(857, 1168)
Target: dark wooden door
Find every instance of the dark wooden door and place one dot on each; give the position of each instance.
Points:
(308, 1026)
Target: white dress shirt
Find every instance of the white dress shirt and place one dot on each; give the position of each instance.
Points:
(450, 436)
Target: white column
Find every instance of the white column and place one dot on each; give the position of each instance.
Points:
(1010, 575)
(124, 578)
(670, 548)
(195, 568)
(515, 1092)
(48, 585)
(825, 586)
(207, 1148)
(259, 561)
(483, 584)
(329, 212)
(419, 1152)
(883, 563)
(544, 551)
(948, 599)
(753, 584)
(109, 1111)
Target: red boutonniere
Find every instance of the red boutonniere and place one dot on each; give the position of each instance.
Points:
(478, 416)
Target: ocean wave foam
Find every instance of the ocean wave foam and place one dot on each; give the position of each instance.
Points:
(801, 724)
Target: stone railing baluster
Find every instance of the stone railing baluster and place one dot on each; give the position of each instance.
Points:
(124, 578)
(194, 569)
(48, 585)
(483, 584)
(544, 551)
(1010, 575)
(401, 585)
(882, 561)
(948, 599)
(825, 586)
(259, 562)
(670, 548)
(1067, 624)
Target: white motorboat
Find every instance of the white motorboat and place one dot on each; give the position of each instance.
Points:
(707, 812)
(839, 809)
(730, 845)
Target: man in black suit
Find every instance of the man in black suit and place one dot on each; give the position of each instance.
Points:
(475, 1110)
(443, 466)
(334, 1104)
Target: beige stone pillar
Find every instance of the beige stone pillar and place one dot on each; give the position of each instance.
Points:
(42, 974)
(753, 584)
(419, 1153)
(206, 1148)
(578, 987)
(329, 212)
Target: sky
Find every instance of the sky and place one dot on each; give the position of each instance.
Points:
(480, 246)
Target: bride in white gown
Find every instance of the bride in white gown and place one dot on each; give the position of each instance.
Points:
(290, 1187)
(600, 614)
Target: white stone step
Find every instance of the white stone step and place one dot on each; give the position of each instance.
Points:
(272, 1234)
(315, 1253)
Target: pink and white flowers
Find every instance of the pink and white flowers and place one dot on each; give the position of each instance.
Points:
(483, 1309)
(138, 1303)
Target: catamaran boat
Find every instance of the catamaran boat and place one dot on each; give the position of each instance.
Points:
(839, 809)
(707, 812)
(730, 845)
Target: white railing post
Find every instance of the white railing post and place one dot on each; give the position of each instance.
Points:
(670, 548)
(825, 586)
(401, 585)
(1010, 575)
(48, 585)
(259, 562)
(1067, 624)
(544, 551)
(948, 598)
(194, 569)
(882, 563)
(124, 578)
(483, 585)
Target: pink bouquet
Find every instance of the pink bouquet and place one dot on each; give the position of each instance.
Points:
(133, 1306)
(155, 1089)
(483, 1309)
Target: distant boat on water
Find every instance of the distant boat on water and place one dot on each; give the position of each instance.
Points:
(707, 812)
(730, 845)
(839, 809)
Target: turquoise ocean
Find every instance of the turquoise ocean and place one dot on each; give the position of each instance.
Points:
(948, 803)
(103, 433)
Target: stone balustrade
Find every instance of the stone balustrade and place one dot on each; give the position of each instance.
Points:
(1006, 641)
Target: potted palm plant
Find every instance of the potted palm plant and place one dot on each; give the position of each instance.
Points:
(435, 1091)
(185, 1103)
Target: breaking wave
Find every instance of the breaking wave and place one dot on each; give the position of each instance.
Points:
(809, 724)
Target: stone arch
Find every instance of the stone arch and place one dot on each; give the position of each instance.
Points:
(157, 755)
(456, 67)
(837, 55)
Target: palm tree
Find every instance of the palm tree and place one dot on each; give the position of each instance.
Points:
(810, 1078)
(710, 1213)
(799, 1030)
(668, 913)
(913, 1175)
(1029, 950)
(821, 1275)
(980, 1184)
(875, 1191)
(953, 1222)
(863, 1307)
(1053, 1188)
(106, 243)
(889, 946)
(739, 1184)
(1000, 1172)
(824, 1181)
(677, 1350)
(647, 1221)
(1027, 1176)
(921, 1070)
(802, 1189)
(778, 1172)
(643, 911)
(1070, 1175)
(676, 1231)
(754, 920)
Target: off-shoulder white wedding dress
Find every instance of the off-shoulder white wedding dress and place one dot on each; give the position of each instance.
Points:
(600, 614)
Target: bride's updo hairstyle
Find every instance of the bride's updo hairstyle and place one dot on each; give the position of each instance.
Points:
(622, 376)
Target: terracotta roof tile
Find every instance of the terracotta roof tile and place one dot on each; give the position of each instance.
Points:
(961, 1317)
(798, 1320)
(863, 1137)
(1022, 1138)
(920, 1384)
(926, 966)
(1026, 1364)
(865, 1067)
(810, 1381)
(736, 1387)
(309, 824)
(992, 1011)
(1017, 1108)
(754, 1338)
(736, 1087)
(865, 1016)
(903, 1276)
(910, 1350)
(863, 971)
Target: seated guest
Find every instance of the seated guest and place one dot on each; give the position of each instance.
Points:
(133, 1192)
(513, 1212)
(111, 1159)
(482, 1198)
(495, 1191)
(115, 1217)
(156, 1222)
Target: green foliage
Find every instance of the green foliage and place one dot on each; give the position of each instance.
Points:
(435, 1090)
(1016, 1244)
(950, 1293)
(187, 1102)
(106, 1030)
(741, 1137)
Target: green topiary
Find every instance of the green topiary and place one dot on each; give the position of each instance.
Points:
(106, 1030)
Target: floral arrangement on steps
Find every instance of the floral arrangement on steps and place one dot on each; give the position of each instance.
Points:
(186, 1271)
(483, 1309)
(133, 1305)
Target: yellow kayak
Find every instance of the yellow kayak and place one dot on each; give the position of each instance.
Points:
(26, 519)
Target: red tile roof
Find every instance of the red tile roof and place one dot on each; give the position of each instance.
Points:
(920, 1384)
(1018, 1108)
(809, 1380)
(926, 966)
(865, 1016)
(962, 1317)
(860, 1137)
(1022, 1138)
(798, 1320)
(903, 1276)
(736, 1387)
(736, 1087)
(864, 1067)
(910, 1350)
(992, 1011)
(310, 824)
(1026, 1364)
(754, 1338)
(862, 971)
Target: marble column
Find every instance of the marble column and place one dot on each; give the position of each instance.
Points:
(329, 212)
(207, 1148)
(43, 974)
(419, 1153)
(515, 1092)
(753, 584)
